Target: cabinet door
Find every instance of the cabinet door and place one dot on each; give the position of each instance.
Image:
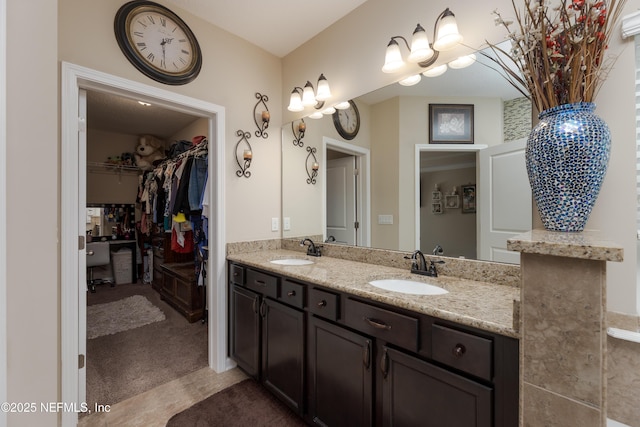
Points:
(244, 342)
(283, 352)
(340, 375)
(417, 393)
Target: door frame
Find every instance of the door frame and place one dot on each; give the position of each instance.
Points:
(74, 78)
(363, 198)
(3, 209)
(437, 147)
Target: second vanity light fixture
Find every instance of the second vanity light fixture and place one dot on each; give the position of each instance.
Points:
(425, 54)
(307, 96)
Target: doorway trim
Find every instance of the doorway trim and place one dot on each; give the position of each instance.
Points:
(74, 78)
(3, 209)
(364, 184)
(435, 147)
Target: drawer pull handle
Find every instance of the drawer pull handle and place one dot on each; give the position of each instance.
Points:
(291, 293)
(378, 324)
(235, 274)
(322, 303)
(459, 350)
(260, 283)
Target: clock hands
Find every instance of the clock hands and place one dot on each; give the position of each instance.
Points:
(165, 41)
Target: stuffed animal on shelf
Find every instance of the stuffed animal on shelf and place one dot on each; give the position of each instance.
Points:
(150, 149)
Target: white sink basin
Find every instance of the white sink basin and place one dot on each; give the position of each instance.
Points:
(292, 261)
(408, 287)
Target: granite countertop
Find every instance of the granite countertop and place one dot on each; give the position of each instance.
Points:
(479, 304)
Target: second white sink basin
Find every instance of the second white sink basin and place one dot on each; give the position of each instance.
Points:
(408, 287)
(292, 261)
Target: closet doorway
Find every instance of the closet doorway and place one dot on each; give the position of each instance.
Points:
(73, 250)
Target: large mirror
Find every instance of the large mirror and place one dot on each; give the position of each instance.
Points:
(390, 188)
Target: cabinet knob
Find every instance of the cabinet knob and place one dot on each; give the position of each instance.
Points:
(291, 293)
(322, 303)
(459, 350)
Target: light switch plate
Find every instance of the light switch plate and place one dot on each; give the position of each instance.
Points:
(286, 223)
(385, 219)
(275, 224)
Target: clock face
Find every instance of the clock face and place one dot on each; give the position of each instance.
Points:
(347, 121)
(158, 42)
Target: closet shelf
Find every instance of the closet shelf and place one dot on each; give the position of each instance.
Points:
(113, 167)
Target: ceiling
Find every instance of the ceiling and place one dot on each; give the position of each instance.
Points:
(277, 26)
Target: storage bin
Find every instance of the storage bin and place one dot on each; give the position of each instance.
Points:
(121, 261)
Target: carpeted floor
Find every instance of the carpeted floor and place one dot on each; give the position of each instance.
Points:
(244, 404)
(131, 362)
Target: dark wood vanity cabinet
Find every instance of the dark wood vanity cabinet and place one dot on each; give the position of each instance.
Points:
(267, 336)
(415, 391)
(364, 363)
(340, 374)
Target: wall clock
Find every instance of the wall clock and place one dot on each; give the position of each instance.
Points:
(347, 121)
(157, 42)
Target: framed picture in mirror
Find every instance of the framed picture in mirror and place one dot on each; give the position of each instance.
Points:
(469, 198)
(436, 208)
(450, 123)
(452, 201)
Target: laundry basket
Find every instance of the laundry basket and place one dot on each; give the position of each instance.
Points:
(121, 261)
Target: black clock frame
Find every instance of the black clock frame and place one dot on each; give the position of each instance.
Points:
(126, 44)
(343, 132)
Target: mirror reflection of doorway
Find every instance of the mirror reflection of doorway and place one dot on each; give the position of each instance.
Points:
(346, 198)
(342, 206)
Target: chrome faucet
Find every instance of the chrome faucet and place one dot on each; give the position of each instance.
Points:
(419, 264)
(438, 250)
(312, 250)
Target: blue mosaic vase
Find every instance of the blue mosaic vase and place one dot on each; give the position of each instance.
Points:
(567, 155)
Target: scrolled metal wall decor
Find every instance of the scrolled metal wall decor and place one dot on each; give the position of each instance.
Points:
(265, 116)
(246, 156)
(311, 157)
(302, 128)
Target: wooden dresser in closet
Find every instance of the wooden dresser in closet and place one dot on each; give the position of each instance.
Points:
(174, 278)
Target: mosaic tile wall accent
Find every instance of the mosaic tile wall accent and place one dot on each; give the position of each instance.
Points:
(517, 118)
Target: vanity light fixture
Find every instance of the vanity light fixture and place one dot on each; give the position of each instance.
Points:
(261, 119)
(463, 61)
(342, 105)
(435, 71)
(445, 34)
(246, 154)
(411, 80)
(307, 96)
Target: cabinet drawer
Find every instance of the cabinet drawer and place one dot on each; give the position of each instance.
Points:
(262, 283)
(292, 293)
(463, 351)
(324, 304)
(388, 325)
(236, 274)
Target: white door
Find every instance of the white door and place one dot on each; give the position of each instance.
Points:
(82, 252)
(504, 200)
(341, 200)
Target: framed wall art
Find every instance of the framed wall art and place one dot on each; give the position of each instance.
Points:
(450, 123)
(452, 201)
(469, 198)
(436, 208)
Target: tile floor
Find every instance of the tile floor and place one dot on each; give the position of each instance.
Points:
(155, 407)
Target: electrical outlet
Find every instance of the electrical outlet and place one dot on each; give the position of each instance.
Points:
(286, 223)
(275, 226)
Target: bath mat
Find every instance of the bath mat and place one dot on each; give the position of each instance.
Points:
(122, 315)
